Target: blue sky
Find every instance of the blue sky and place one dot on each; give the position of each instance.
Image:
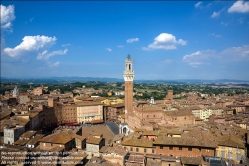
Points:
(166, 40)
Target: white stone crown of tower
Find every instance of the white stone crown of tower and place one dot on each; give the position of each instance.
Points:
(128, 73)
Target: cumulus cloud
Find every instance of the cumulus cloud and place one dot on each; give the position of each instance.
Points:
(132, 40)
(215, 14)
(55, 64)
(31, 43)
(165, 41)
(109, 49)
(208, 56)
(45, 55)
(198, 4)
(7, 16)
(239, 7)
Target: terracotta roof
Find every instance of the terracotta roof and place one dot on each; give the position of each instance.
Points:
(79, 137)
(178, 113)
(57, 138)
(118, 137)
(192, 160)
(90, 130)
(97, 121)
(21, 142)
(3, 114)
(150, 132)
(103, 149)
(74, 157)
(28, 134)
(119, 150)
(134, 158)
(138, 142)
(92, 140)
(196, 137)
(35, 139)
(231, 143)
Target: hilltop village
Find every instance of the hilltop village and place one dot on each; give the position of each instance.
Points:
(41, 128)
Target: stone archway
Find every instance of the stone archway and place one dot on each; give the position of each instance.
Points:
(124, 130)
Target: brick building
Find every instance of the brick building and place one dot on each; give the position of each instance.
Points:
(57, 142)
(66, 113)
(38, 91)
(194, 143)
(112, 112)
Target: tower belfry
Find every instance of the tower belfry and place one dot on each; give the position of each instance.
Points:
(128, 78)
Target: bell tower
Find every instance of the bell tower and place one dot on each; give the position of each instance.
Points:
(128, 78)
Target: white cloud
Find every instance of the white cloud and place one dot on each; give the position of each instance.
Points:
(199, 57)
(239, 7)
(7, 16)
(165, 41)
(182, 42)
(120, 46)
(198, 4)
(216, 35)
(64, 45)
(132, 40)
(55, 64)
(45, 55)
(31, 43)
(237, 53)
(223, 23)
(195, 64)
(109, 49)
(215, 14)
(198, 53)
(207, 56)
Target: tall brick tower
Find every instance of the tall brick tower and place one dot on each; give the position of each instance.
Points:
(170, 95)
(128, 78)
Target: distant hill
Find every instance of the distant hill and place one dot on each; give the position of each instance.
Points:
(63, 80)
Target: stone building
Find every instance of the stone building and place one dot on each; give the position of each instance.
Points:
(88, 112)
(23, 98)
(12, 133)
(115, 155)
(94, 144)
(231, 147)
